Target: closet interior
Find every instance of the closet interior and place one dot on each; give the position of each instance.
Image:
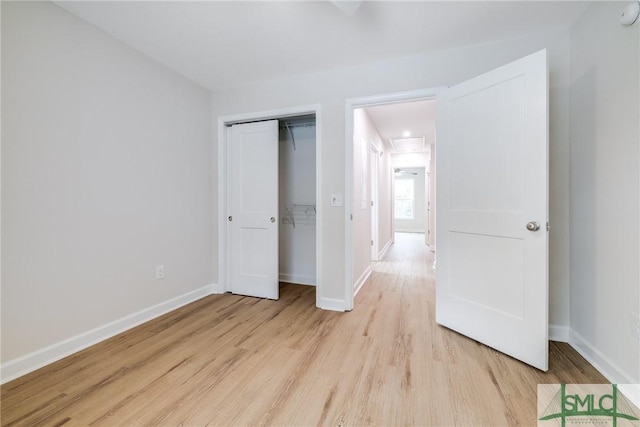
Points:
(297, 200)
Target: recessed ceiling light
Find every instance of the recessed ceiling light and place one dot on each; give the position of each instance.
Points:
(406, 133)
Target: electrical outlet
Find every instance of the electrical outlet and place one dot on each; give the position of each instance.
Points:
(635, 325)
(159, 272)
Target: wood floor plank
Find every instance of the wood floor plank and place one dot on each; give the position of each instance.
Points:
(233, 360)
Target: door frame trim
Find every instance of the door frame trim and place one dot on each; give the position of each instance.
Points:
(350, 105)
(223, 123)
(374, 165)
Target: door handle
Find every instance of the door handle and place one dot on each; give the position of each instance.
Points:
(273, 219)
(230, 218)
(533, 226)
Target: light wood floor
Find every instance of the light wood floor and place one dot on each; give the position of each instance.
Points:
(231, 360)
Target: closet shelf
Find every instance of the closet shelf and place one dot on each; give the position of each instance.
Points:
(289, 125)
(299, 214)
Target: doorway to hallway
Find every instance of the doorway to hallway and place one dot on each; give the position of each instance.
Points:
(389, 134)
(484, 289)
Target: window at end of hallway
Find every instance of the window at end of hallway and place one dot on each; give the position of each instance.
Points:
(404, 199)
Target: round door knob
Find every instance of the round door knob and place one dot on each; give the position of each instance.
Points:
(533, 226)
(273, 219)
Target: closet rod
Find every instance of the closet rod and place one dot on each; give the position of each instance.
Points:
(292, 123)
(293, 142)
(284, 125)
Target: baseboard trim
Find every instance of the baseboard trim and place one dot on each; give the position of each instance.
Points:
(559, 333)
(297, 279)
(384, 250)
(606, 367)
(35, 360)
(217, 288)
(631, 392)
(361, 280)
(331, 304)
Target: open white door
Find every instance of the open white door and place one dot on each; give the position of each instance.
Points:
(252, 154)
(492, 209)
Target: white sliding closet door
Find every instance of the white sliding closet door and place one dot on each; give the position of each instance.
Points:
(252, 154)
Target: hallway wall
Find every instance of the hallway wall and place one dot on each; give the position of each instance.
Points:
(365, 135)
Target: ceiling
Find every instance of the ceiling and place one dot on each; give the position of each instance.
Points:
(222, 44)
(393, 120)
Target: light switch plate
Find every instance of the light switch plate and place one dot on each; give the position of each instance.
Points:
(337, 200)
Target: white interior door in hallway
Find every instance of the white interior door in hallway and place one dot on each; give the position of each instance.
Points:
(492, 209)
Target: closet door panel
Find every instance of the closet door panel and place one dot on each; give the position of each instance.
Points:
(253, 205)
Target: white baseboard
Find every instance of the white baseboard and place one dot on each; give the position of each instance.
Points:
(30, 362)
(631, 392)
(559, 333)
(384, 250)
(217, 288)
(606, 367)
(363, 278)
(330, 304)
(409, 230)
(297, 279)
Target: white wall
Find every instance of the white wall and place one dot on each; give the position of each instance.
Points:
(331, 89)
(431, 238)
(106, 173)
(385, 202)
(605, 136)
(410, 160)
(297, 198)
(364, 134)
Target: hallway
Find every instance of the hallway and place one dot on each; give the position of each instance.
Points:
(408, 252)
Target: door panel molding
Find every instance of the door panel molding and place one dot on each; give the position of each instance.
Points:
(492, 179)
(253, 204)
